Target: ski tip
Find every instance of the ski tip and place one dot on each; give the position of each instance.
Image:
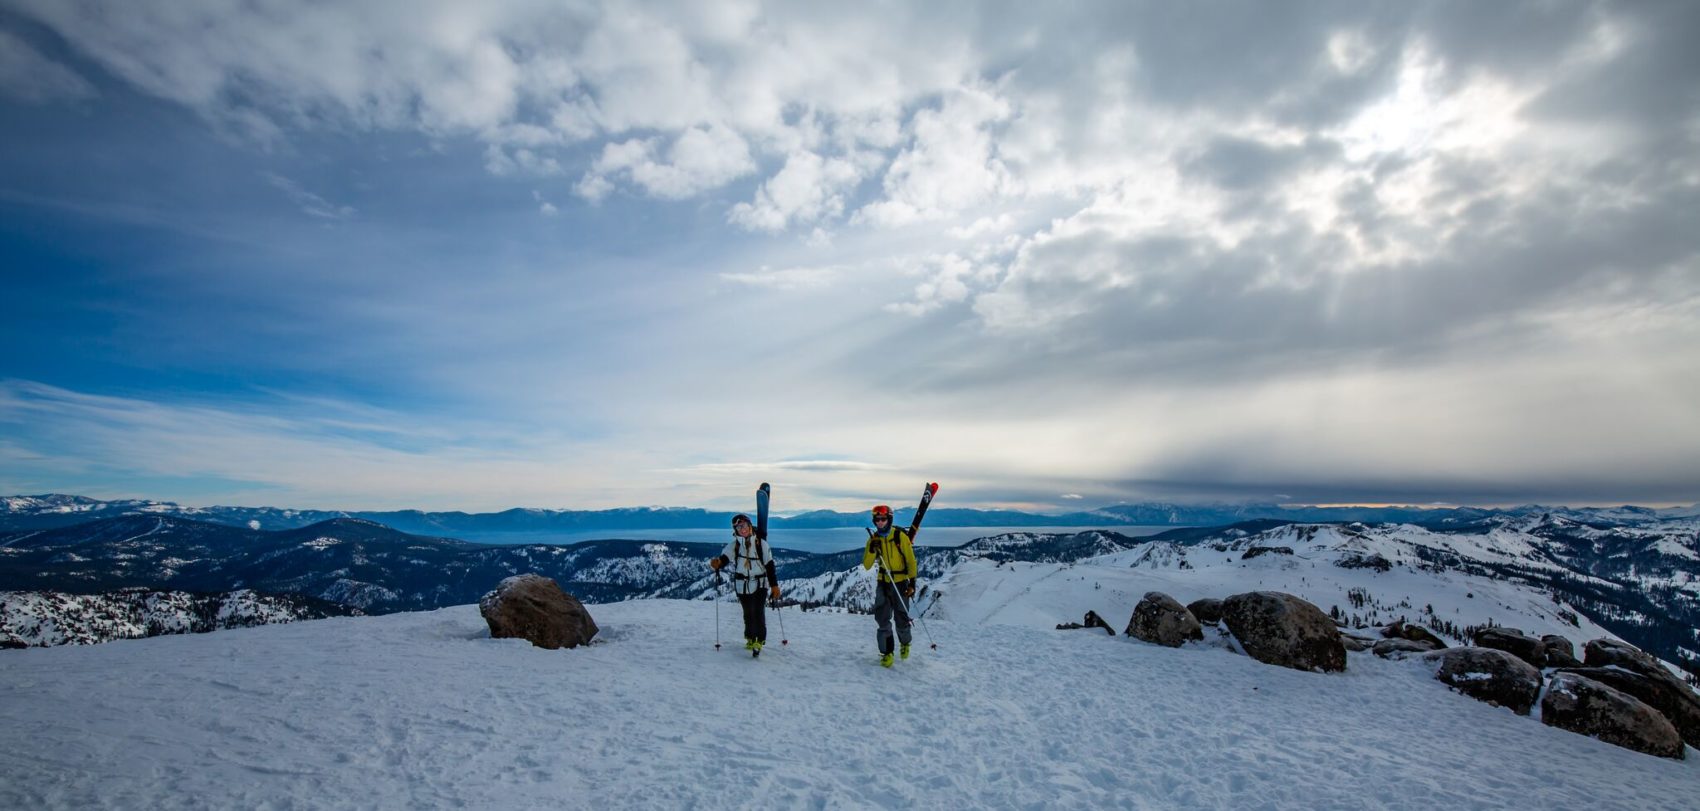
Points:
(764, 486)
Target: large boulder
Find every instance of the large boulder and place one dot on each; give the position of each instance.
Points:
(1559, 651)
(1490, 675)
(1555, 644)
(1206, 609)
(1612, 653)
(1514, 642)
(1415, 633)
(1162, 619)
(534, 608)
(1671, 698)
(1280, 629)
(1582, 705)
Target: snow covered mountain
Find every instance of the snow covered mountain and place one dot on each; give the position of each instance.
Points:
(43, 618)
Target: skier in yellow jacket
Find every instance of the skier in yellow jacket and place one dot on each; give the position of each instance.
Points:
(894, 552)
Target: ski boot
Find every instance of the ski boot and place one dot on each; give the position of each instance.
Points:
(885, 660)
(903, 653)
(755, 649)
(749, 644)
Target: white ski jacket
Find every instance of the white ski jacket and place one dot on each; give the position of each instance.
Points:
(750, 563)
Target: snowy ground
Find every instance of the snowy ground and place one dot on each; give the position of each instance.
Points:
(424, 710)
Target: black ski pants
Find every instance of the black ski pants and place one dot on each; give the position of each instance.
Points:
(889, 605)
(755, 615)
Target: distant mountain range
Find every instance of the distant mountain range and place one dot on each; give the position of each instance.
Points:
(1631, 571)
(519, 525)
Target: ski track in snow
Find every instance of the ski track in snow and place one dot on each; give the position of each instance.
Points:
(424, 710)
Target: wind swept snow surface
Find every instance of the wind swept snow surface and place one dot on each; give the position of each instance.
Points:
(425, 710)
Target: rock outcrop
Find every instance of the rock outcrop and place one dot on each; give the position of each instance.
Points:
(1206, 609)
(1585, 706)
(1676, 703)
(1399, 648)
(1092, 620)
(1415, 633)
(1490, 675)
(1514, 642)
(534, 608)
(1162, 619)
(1281, 629)
(1559, 651)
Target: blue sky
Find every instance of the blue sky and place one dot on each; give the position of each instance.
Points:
(602, 254)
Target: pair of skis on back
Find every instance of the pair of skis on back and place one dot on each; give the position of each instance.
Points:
(764, 494)
(927, 494)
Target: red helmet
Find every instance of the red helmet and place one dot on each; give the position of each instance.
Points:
(882, 511)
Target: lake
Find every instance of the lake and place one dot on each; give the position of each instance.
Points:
(817, 540)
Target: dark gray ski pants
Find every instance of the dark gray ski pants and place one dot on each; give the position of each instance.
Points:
(888, 603)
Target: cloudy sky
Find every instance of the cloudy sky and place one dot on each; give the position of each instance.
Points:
(445, 255)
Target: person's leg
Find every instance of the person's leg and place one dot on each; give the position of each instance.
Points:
(755, 617)
(752, 614)
(883, 608)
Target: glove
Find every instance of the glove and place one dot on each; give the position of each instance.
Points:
(716, 563)
(774, 591)
(908, 589)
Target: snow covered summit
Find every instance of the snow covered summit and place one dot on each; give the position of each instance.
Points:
(425, 710)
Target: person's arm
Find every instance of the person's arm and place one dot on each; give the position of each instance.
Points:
(725, 557)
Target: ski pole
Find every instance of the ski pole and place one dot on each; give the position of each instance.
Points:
(717, 609)
(779, 611)
(880, 556)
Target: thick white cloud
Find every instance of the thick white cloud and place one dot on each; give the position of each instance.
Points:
(807, 189)
(698, 160)
(950, 166)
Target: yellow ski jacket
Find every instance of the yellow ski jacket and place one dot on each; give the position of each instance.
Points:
(897, 550)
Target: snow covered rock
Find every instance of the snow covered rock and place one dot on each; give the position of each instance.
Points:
(1206, 609)
(1357, 644)
(1514, 642)
(1279, 629)
(1671, 698)
(1397, 648)
(534, 608)
(1413, 633)
(1488, 674)
(1582, 705)
(1162, 619)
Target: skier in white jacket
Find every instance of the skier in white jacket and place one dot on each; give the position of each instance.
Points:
(753, 577)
